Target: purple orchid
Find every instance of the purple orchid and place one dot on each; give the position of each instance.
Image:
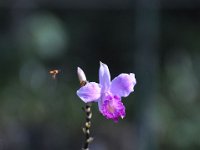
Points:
(108, 93)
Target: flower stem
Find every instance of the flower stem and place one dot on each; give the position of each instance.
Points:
(86, 128)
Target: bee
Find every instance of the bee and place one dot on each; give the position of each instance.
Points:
(54, 73)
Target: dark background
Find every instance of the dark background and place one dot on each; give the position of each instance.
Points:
(158, 40)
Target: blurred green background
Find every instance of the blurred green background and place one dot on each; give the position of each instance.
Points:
(158, 40)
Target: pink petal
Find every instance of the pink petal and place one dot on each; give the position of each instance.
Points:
(111, 107)
(104, 76)
(90, 92)
(123, 84)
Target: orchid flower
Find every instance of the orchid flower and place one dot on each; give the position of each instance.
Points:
(108, 93)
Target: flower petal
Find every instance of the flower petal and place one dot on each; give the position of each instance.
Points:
(123, 84)
(104, 76)
(90, 92)
(111, 107)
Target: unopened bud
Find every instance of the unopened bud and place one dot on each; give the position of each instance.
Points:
(81, 75)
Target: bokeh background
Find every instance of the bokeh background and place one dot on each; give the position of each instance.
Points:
(158, 40)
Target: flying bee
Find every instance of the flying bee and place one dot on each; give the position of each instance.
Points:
(54, 73)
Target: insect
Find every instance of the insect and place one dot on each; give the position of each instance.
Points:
(54, 73)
